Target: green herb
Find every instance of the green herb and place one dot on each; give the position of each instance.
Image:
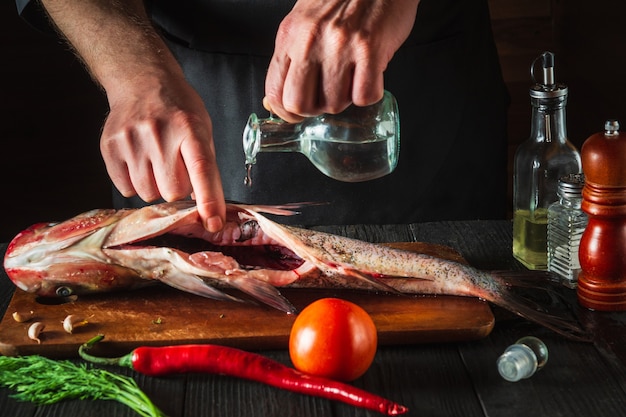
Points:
(45, 381)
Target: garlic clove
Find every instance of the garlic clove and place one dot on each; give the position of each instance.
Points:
(34, 331)
(21, 317)
(73, 321)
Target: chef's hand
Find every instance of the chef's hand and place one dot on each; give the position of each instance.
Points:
(158, 142)
(332, 53)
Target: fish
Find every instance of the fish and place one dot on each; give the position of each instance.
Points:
(111, 250)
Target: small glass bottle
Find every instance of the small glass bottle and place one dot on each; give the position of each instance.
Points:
(538, 164)
(522, 359)
(566, 224)
(358, 144)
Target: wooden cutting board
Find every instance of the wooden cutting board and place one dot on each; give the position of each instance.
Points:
(161, 315)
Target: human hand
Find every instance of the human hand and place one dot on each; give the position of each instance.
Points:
(158, 142)
(332, 53)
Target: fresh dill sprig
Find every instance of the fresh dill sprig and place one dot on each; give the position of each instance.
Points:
(45, 381)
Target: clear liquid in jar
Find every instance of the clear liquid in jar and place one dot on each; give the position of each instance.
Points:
(351, 161)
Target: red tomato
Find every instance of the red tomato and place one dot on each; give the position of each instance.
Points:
(333, 338)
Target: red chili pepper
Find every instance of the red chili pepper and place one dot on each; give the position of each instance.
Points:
(222, 360)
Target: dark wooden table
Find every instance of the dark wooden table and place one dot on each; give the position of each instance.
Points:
(451, 379)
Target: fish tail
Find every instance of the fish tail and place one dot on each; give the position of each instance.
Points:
(539, 297)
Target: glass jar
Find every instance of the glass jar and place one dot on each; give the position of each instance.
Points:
(358, 144)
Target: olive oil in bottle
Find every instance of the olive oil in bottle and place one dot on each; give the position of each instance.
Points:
(530, 237)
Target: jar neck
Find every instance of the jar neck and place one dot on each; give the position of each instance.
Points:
(269, 135)
(548, 123)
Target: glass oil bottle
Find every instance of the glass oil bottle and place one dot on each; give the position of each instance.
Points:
(538, 164)
(566, 224)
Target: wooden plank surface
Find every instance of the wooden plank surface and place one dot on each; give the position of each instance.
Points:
(163, 316)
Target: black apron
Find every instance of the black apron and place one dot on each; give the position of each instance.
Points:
(446, 78)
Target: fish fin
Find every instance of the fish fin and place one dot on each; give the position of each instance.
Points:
(539, 297)
(195, 285)
(289, 209)
(263, 292)
(154, 220)
(371, 279)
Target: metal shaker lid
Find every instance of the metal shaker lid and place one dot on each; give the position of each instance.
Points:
(547, 87)
(571, 186)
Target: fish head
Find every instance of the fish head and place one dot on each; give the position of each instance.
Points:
(105, 250)
(63, 259)
(75, 278)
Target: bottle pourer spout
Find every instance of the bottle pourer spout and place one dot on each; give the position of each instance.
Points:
(547, 66)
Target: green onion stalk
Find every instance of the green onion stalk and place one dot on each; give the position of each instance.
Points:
(45, 381)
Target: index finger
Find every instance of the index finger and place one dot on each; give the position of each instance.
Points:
(206, 183)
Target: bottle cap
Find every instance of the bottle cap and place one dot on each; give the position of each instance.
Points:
(522, 359)
(517, 362)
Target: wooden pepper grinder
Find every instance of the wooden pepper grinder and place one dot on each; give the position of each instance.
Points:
(602, 253)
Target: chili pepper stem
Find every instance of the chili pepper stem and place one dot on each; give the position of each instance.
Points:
(125, 361)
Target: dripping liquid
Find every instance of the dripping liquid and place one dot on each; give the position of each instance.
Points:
(248, 178)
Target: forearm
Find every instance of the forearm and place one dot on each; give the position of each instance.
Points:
(115, 39)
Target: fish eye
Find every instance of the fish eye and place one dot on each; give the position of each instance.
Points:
(64, 291)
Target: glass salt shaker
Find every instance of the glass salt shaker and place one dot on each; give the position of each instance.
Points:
(522, 359)
(566, 224)
(358, 144)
